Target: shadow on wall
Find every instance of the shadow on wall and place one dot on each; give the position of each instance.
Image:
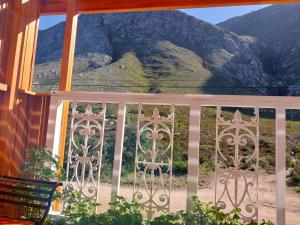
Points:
(26, 126)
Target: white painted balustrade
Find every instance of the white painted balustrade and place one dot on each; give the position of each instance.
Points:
(153, 164)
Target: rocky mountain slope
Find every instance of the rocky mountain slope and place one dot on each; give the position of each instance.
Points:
(169, 51)
(277, 28)
(165, 51)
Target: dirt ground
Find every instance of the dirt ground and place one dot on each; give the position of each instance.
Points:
(267, 199)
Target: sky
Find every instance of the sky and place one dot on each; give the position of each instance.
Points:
(212, 15)
(220, 14)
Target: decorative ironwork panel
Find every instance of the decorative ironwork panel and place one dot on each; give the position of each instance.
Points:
(153, 161)
(237, 163)
(85, 150)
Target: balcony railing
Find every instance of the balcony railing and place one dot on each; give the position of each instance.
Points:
(153, 161)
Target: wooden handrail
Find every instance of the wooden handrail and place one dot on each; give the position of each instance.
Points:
(23, 91)
(31, 93)
(3, 87)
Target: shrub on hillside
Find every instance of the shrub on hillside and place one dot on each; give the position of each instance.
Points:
(296, 172)
(180, 168)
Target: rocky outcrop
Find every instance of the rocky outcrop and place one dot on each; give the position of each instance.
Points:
(277, 29)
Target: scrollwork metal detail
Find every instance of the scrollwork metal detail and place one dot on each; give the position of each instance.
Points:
(237, 164)
(153, 161)
(85, 151)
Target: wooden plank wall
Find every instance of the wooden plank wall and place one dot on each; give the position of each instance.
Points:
(22, 115)
(28, 129)
(38, 112)
(3, 30)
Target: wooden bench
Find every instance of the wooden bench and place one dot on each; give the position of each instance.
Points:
(28, 197)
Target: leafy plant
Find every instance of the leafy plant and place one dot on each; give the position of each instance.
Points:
(169, 219)
(266, 222)
(206, 214)
(122, 212)
(41, 165)
(76, 207)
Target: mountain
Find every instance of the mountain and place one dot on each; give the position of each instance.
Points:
(277, 28)
(170, 51)
(165, 51)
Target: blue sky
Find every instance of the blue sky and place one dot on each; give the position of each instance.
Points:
(220, 14)
(212, 15)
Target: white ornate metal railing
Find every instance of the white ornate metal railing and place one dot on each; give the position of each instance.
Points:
(153, 161)
(235, 133)
(84, 156)
(236, 178)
